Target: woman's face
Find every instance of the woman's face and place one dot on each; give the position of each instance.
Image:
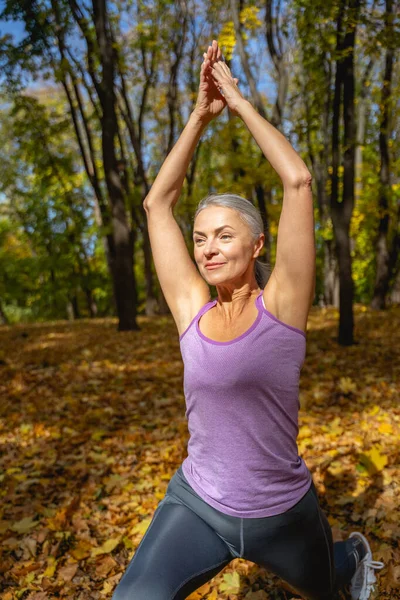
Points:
(223, 244)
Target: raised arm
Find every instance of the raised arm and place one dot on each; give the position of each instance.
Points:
(184, 289)
(290, 291)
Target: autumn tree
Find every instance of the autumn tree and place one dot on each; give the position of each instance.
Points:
(50, 209)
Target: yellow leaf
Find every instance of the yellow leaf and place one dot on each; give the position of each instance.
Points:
(373, 460)
(304, 432)
(385, 428)
(231, 583)
(249, 17)
(29, 578)
(336, 467)
(227, 39)
(141, 527)
(51, 567)
(334, 427)
(107, 547)
(82, 550)
(13, 470)
(127, 543)
(108, 587)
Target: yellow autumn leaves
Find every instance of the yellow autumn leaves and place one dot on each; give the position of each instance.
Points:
(227, 38)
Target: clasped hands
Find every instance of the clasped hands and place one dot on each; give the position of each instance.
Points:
(217, 87)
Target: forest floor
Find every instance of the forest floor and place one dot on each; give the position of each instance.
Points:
(92, 428)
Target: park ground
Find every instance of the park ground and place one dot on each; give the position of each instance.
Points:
(92, 428)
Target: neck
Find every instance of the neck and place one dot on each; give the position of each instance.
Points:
(239, 296)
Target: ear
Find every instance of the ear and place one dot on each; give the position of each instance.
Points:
(259, 245)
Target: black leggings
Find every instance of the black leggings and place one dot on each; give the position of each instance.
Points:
(188, 542)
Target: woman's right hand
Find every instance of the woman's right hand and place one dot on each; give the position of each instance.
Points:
(210, 102)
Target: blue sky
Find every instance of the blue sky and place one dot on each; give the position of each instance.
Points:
(16, 28)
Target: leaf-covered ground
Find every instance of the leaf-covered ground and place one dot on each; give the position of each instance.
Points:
(92, 429)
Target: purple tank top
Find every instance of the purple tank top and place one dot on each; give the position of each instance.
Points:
(242, 402)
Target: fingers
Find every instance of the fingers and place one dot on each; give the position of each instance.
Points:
(213, 58)
(222, 67)
(203, 69)
(213, 53)
(214, 50)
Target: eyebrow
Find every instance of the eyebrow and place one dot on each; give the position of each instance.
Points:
(216, 230)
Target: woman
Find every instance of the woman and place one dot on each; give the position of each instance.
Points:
(242, 491)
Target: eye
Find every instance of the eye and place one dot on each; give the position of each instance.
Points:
(197, 241)
(226, 235)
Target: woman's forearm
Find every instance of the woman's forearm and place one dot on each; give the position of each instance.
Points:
(277, 150)
(168, 184)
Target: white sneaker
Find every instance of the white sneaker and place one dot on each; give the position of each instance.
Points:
(362, 583)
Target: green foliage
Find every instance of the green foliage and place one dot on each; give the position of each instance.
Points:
(51, 245)
(47, 240)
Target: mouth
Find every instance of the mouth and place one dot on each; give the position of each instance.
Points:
(214, 266)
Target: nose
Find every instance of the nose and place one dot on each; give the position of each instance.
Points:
(210, 248)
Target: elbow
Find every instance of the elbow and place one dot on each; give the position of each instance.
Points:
(300, 180)
(146, 203)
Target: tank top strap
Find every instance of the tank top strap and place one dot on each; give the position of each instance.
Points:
(199, 314)
(260, 300)
(205, 309)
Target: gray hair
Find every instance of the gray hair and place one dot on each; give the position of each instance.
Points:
(250, 216)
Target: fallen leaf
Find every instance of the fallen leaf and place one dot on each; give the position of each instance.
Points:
(24, 525)
(141, 527)
(107, 547)
(67, 572)
(105, 565)
(373, 460)
(385, 428)
(51, 567)
(231, 583)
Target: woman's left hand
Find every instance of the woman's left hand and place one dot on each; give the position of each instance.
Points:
(227, 85)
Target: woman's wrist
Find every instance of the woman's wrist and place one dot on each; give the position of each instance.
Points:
(242, 106)
(199, 120)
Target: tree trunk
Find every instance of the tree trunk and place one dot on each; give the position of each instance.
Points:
(395, 292)
(342, 211)
(122, 259)
(330, 274)
(383, 274)
(75, 306)
(3, 317)
(90, 302)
